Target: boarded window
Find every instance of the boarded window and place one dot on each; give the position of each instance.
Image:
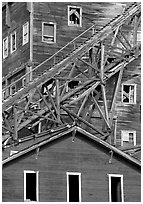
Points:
(74, 16)
(128, 138)
(30, 186)
(49, 32)
(13, 42)
(25, 33)
(73, 187)
(129, 93)
(5, 47)
(116, 188)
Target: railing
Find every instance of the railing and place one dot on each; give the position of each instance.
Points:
(50, 62)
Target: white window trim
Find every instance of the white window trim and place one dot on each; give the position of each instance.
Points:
(80, 19)
(135, 93)
(49, 23)
(26, 25)
(79, 176)
(37, 184)
(5, 55)
(14, 33)
(122, 191)
(128, 131)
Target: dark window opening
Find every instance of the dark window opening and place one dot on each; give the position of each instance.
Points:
(73, 188)
(116, 189)
(31, 186)
(74, 16)
(73, 84)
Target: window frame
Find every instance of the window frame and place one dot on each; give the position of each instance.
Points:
(5, 55)
(54, 36)
(37, 184)
(122, 189)
(13, 33)
(80, 17)
(14, 85)
(25, 26)
(128, 131)
(79, 176)
(135, 93)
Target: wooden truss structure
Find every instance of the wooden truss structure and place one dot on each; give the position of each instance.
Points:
(72, 88)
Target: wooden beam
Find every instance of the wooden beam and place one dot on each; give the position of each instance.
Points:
(125, 39)
(15, 133)
(31, 93)
(46, 104)
(100, 112)
(82, 105)
(95, 68)
(82, 120)
(70, 75)
(102, 84)
(58, 99)
(115, 35)
(118, 83)
(123, 43)
(7, 123)
(135, 32)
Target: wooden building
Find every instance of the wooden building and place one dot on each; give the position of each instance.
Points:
(71, 101)
(70, 165)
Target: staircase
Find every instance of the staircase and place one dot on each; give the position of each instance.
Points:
(103, 55)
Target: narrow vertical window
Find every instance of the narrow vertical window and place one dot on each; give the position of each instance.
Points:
(31, 186)
(73, 187)
(74, 16)
(129, 93)
(128, 138)
(13, 42)
(49, 32)
(25, 33)
(116, 188)
(12, 89)
(5, 47)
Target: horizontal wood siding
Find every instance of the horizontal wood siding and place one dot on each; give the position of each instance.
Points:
(129, 116)
(19, 15)
(63, 155)
(57, 12)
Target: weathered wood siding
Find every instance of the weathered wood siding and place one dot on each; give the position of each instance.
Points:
(129, 115)
(62, 156)
(19, 15)
(57, 12)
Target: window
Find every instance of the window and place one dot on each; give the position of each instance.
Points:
(25, 33)
(128, 138)
(5, 47)
(49, 32)
(74, 16)
(129, 93)
(13, 42)
(23, 82)
(12, 89)
(73, 187)
(116, 188)
(31, 190)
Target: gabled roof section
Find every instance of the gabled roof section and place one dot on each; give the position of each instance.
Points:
(70, 129)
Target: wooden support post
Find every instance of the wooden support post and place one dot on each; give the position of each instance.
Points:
(29, 101)
(118, 83)
(15, 133)
(58, 99)
(102, 84)
(100, 112)
(115, 35)
(135, 32)
(70, 75)
(82, 105)
(46, 104)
